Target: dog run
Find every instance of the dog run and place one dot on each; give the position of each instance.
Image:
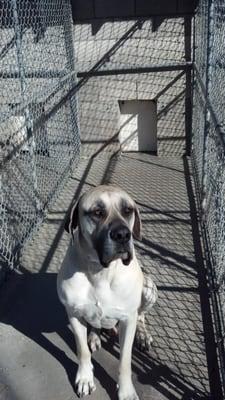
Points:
(112, 211)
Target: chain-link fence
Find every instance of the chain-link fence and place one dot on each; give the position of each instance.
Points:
(208, 150)
(38, 141)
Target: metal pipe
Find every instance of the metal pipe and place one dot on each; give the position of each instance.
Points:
(31, 75)
(188, 80)
(141, 70)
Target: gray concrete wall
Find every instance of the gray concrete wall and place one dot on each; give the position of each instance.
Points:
(159, 44)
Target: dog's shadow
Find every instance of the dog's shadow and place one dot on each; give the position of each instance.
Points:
(35, 310)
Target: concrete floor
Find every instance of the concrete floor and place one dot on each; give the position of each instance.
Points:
(36, 344)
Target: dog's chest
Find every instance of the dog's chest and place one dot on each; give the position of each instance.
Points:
(102, 305)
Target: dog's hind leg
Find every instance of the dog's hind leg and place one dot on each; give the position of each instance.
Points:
(94, 339)
(143, 338)
(149, 294)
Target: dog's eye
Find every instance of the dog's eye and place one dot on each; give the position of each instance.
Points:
(98, 213)
(127, 211)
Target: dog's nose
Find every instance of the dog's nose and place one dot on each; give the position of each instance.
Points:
(120, 234)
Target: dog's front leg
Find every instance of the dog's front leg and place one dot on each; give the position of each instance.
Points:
(126, 334)
(84, 379)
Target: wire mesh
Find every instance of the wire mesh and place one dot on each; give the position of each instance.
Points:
(201, 37)
(198, 140)
(217, 88)
(208, 151)
(36, 71)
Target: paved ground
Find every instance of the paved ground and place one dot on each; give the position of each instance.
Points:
(37, 347)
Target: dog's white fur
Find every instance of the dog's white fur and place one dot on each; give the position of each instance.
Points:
(101, 296)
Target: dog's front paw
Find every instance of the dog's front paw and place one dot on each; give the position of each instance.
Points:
(127, 392)
(84, 380)
(94, 341)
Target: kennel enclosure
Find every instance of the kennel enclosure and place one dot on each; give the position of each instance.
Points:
(61, 84)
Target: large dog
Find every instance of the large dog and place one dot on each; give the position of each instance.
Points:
(101, 283)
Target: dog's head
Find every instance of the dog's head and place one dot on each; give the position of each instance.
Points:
(107, 219)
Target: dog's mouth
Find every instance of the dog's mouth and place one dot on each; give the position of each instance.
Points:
(125, 257)
(109, 251)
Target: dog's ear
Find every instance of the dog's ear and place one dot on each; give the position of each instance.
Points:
(72, 218)
(137, 225)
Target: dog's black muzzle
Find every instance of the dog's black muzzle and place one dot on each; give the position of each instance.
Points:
(113, 243)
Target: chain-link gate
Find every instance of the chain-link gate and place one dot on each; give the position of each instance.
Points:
(38, 141)
(208, 152)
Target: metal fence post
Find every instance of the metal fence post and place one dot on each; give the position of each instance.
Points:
(69, 46)
(28, 118)
(208, 88)
(188, 94)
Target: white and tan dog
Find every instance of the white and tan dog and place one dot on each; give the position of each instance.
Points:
(101, 283)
